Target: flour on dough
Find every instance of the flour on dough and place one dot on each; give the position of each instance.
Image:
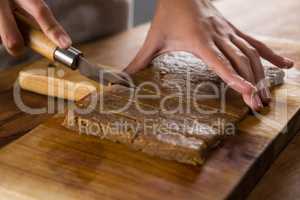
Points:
(179, 62)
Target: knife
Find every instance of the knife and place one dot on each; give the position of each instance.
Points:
(71, 57)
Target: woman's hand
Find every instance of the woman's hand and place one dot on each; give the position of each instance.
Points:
(10, 35)
(197, 27)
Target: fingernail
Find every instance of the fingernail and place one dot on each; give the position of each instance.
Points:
(288, 62)
(16, 49)
(64, 41)
(267, 97)
(258, 102)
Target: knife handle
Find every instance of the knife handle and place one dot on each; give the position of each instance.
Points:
(35, 38)
(41, 44)
(54, 87)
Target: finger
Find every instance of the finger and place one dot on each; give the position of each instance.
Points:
(144, 56)
(49, 25)
(214, 58)
(269, 54)
(237, 58)
(9, 32)
(265, 51)
(258, 69)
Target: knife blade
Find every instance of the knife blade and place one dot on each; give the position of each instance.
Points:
(98, 73)
(74, 59)
(71, 57)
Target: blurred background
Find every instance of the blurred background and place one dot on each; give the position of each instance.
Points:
(143, 11)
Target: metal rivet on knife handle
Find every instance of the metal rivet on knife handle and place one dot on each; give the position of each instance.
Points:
(68, 57)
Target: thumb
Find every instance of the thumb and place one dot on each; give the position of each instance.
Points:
(143, 57)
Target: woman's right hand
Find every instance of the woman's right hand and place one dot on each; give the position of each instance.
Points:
(10, 34)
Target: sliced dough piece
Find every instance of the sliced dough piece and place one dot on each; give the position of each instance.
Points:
(171, 136)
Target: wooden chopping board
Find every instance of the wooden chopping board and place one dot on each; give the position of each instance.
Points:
(51, 162)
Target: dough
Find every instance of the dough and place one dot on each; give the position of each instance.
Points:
(185, 134)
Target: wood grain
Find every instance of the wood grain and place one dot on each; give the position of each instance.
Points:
(66, 160)
(283, 178)
(15, 123)
(65, 165)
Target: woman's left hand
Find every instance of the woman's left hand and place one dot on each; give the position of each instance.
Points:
(197, 27)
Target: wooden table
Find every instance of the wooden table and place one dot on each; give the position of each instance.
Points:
(278, 19)
(14, 123)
